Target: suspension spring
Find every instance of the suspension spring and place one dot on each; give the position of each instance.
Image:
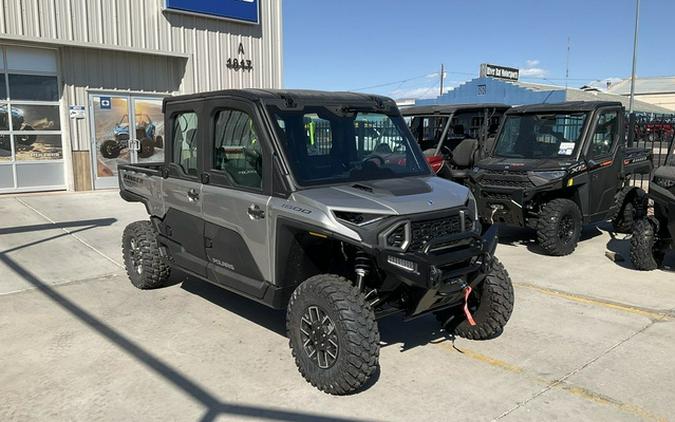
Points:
(362, 267)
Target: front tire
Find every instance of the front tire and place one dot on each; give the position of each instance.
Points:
(631, 205)
(559, 227)
(491, 306)
(644, 252)
(146, 267)
(110, 149)
(332, 334)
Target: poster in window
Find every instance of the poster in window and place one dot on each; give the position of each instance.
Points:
(31, 147)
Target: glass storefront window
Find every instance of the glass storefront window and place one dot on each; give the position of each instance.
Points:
(5, 148)
(35, 117)
(3, 87)
(4, 117)
(33, 87)
(30, 147)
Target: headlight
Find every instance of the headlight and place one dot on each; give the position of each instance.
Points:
(357, 218)
(543, 177)
(397, 237)
(472, 205)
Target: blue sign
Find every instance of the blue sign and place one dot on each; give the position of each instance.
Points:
(105, 103)
(239, 10)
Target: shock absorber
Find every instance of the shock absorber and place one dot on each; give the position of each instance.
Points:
(362, 267)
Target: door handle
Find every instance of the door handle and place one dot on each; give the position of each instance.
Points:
(192, 195)
(255, 213)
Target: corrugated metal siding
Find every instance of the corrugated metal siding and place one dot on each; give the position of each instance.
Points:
(92, 32)
(142, 26)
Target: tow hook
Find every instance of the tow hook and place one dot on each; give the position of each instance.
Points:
(495, 208)
(467, 312)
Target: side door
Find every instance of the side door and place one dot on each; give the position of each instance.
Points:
(236, 194)
(183, 224)
(603, 164)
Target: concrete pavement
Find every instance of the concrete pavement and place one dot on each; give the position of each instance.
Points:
(590, 339)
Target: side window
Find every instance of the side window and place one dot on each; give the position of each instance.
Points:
(605, 135)
(185, 142)
(236, 149)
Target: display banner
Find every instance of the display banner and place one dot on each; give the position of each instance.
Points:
(238, 10)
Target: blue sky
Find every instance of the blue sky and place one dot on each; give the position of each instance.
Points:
(369, 44)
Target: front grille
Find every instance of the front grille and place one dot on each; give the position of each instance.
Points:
(510, 183)
(425, 231)
(496, 195)
(506, 178)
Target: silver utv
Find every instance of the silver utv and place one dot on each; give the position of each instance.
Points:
(322, 204)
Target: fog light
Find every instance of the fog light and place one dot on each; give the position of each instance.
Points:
(402, 263)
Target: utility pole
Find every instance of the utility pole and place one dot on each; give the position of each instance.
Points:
(631, 115)
(567, 62)
(635, 47)
(442, 77)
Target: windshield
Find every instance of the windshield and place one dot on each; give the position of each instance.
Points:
(427, 130)
(329, 146)
(540, 136)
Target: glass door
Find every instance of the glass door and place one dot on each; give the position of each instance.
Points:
(124, 130)
(149, 129)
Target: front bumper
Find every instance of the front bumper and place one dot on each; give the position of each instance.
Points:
(439, 278)
(501, 206)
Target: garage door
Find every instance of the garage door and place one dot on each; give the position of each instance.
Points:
(31, 145)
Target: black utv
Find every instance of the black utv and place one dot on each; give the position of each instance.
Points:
(653, 236)
(454, 137)
(555, 167)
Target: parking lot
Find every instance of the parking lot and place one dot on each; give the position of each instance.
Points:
(590, 338)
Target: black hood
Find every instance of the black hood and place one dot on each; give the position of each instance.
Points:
(521, 164)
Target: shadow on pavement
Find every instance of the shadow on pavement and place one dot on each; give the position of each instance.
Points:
(514, 236)
(100, 222)
(621, 247)
(272, 319)
(214, 406)
(417, 332)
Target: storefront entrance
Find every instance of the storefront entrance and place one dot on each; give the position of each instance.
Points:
(125, 129)
(31, 145)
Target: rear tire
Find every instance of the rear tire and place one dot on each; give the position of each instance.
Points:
(644, 252)
(491, 307)
(332, 334)
(147, 148)
(559, 227)
(146, 267)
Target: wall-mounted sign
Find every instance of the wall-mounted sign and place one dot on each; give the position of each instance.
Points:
(76, 111)
(105, 103)
(500, 72)
(247, 11)
(240, 62)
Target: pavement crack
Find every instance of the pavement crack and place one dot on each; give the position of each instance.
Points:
(558, 382)
(74, 235)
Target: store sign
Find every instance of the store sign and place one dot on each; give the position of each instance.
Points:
(499, 72)
(105, 103)
(76, 111)
(239, 10)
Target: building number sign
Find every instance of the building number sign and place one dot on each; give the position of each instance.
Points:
(237, 63)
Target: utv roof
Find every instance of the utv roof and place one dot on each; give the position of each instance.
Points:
(448, 108)
(292, 97)
(570, 106)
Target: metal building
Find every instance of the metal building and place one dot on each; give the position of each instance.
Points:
(83, 80)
